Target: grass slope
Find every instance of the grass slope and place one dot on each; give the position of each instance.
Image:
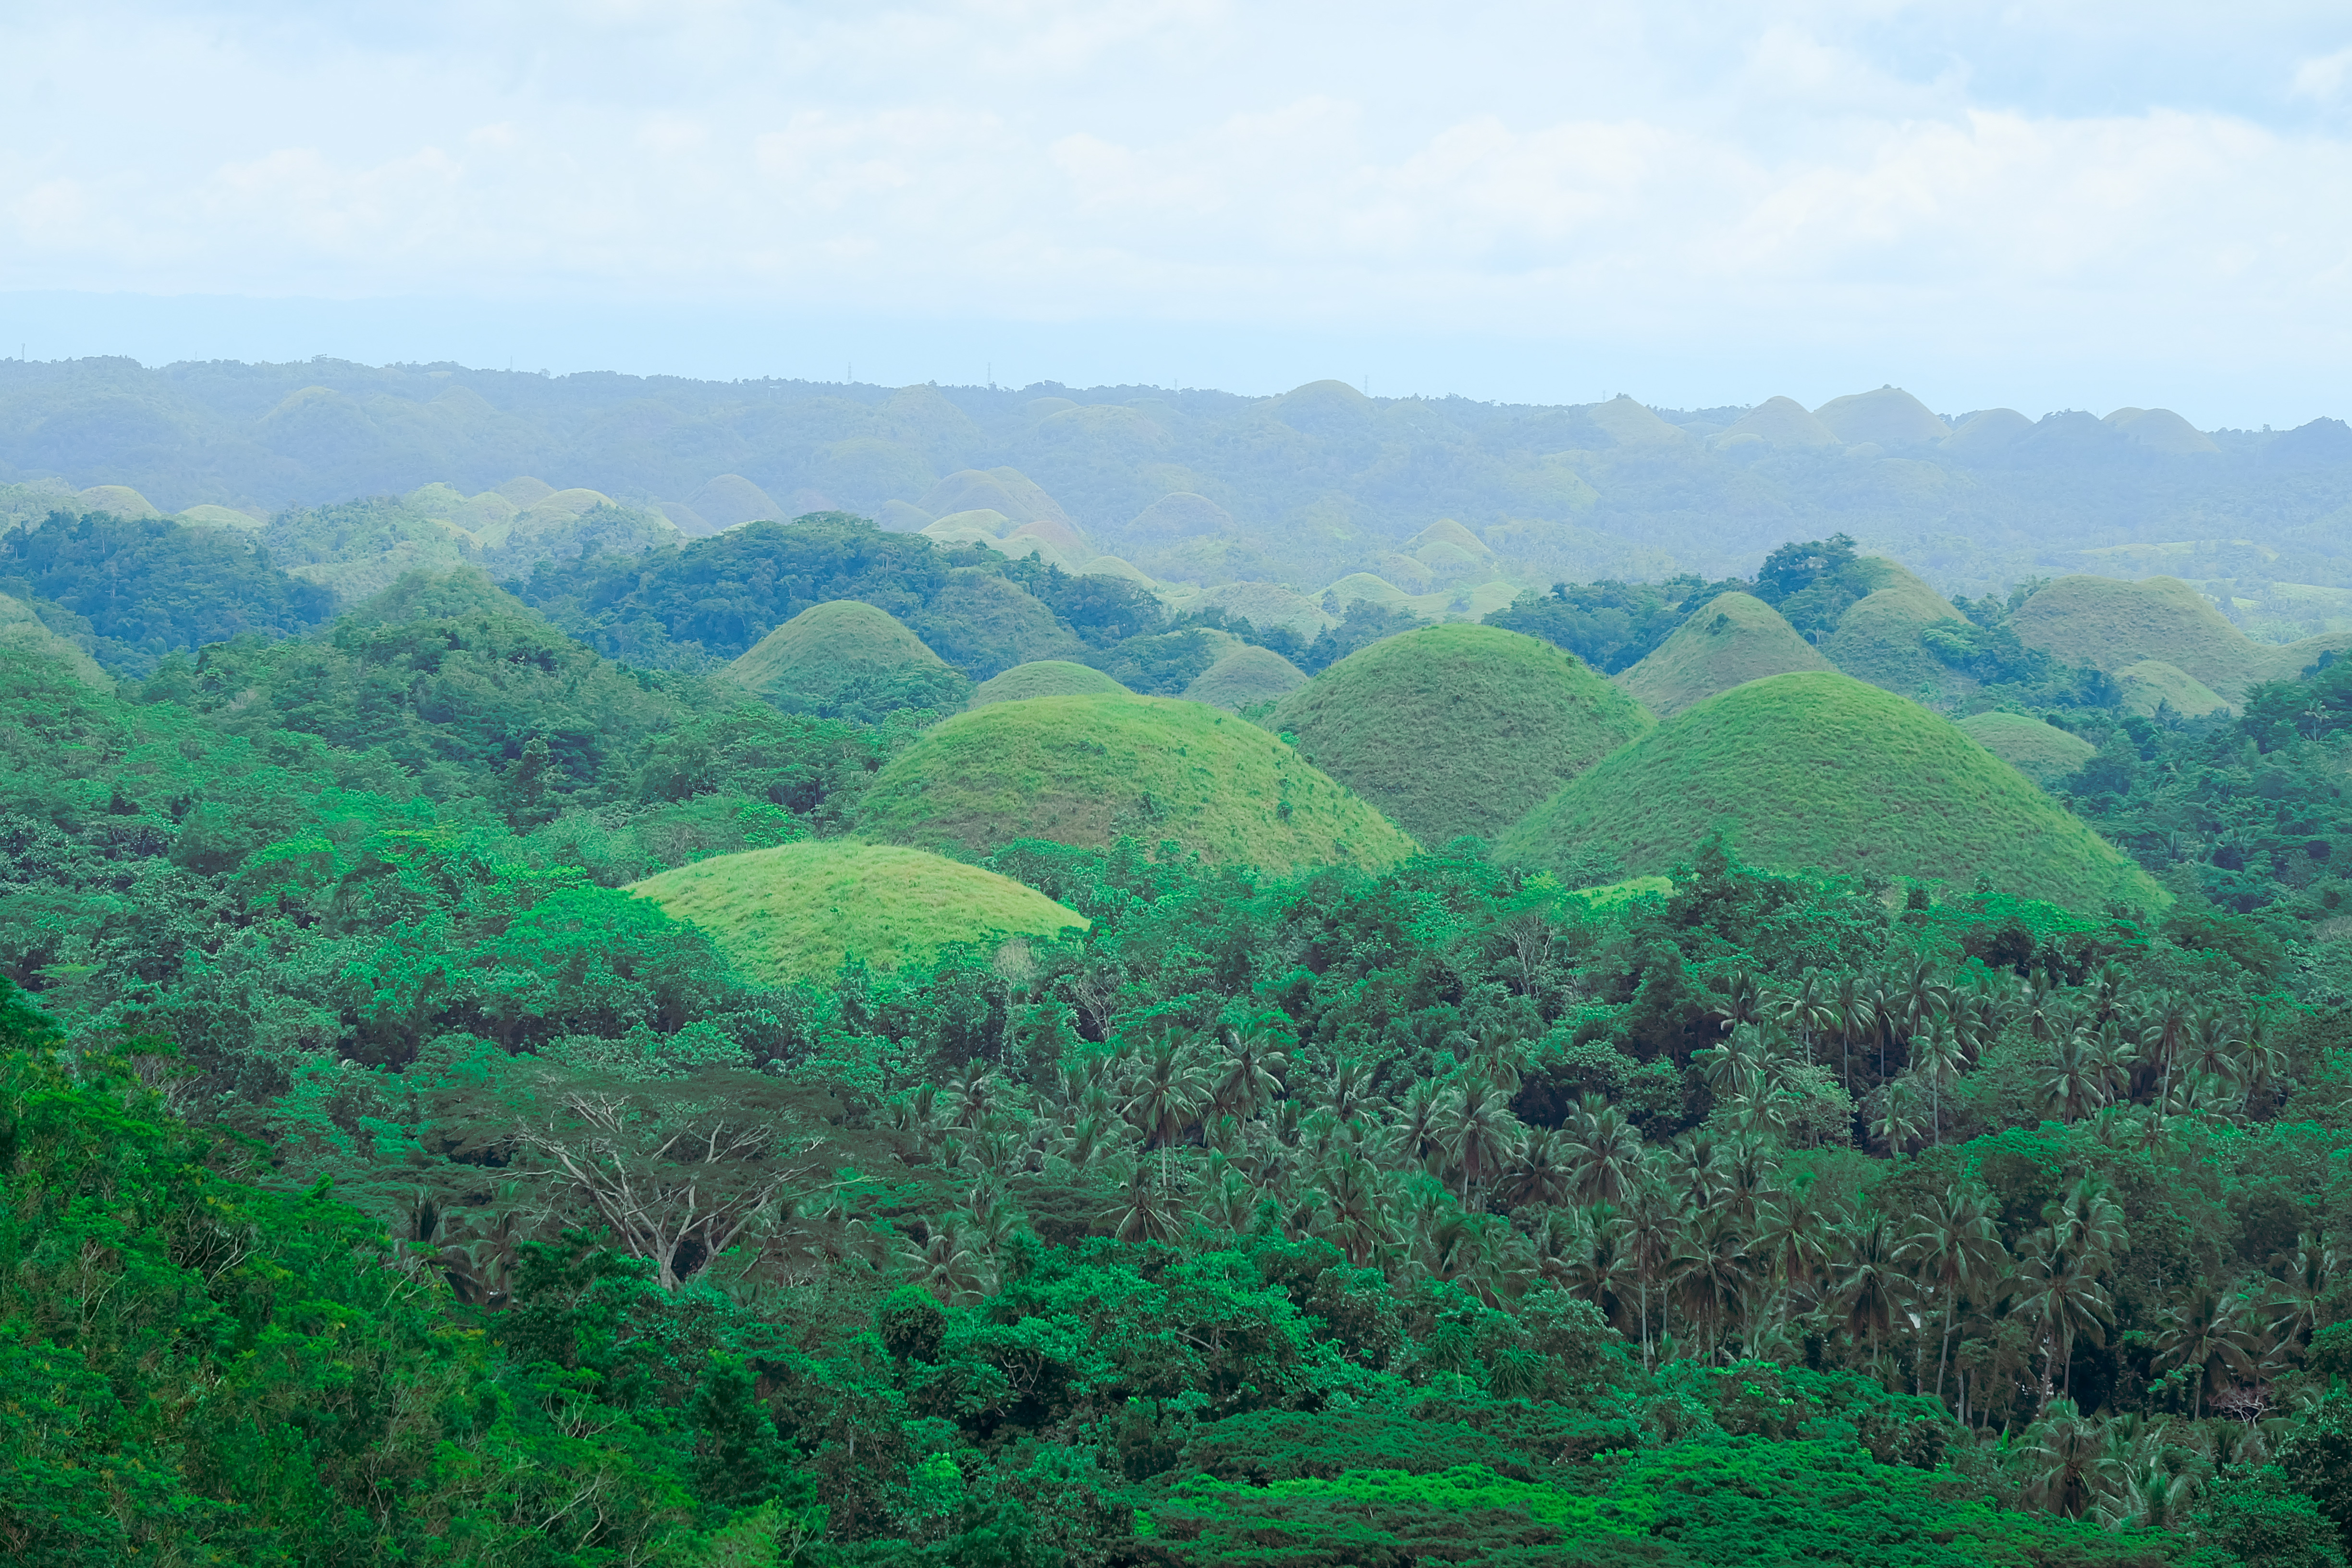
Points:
(1087, 770)
(2042, 752)
(1877, 638)
(1458, 728)
(1734, 638)
(21, 630)
(2153, 684)
(791, 914)
(1045, 677)
(1245, 677)
(1821, 771)
(2115, 624)
(827, 647)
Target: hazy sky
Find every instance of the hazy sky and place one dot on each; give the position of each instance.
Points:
(2045, 206)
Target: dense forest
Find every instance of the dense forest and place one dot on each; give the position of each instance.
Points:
(386, 1182)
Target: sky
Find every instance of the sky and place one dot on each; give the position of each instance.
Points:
(2044, 206)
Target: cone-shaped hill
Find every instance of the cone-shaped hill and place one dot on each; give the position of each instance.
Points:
(1045, 677)
(1089, 770)
(2115, 626)
(846, 652)
(1245, 677)
(1780, 422)
(791, 914)
(1734, 637)
(1458, 728)
(1877, 637)
(1821, 771)
(2042, 752)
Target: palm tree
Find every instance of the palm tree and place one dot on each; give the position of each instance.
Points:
(1853, 1014)
(1870, 1282)
(2213, 1046)
(2060, 1290)
(2074, 1082)
(1952, 1242)
(1168, 1093)
(1348, 1092)
(1142, 1211)
(2069, 1467)
(1898, 1125)
(1735, 1066)
(1418, 1114)
(2207, 1335)
(1653, 1226)
(1477, 1131)
(1741, 1003)
(1255, 1052)
(1807, 1009)
(1351, 1195)
(1712, 1272)
(1541, 1169)
(1936, 1059)
(1789, 1241)
(2307, 1275)
(2162, 1034)
(1604, 1150)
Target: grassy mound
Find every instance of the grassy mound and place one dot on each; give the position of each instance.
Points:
(1891, 417)
(2042, 752)
(2152, 684)
(23, 631)
(1781, 422)
(1045, 677)
(1458, 728)
(1112, 566)
(1737, 637)
(1245, 677)
(221, 517)
(1087, 770)
(791, 914)
(119, 499)
(1877, 637)
(2115, 624)
(1817, 769)
(2161, 430)
(1264, 605)
(846, 654)
(1357, 585)
(1983, 435)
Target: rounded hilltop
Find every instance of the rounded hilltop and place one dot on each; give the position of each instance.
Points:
(1818, 770)
(794, 912)
(1045, 677)
(1732, 639)
(1089, 770)
(846, 652)
(1457, 730)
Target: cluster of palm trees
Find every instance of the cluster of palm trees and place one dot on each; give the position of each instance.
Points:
(1712, 1243)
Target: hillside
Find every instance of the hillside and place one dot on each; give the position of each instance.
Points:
(1244, 677)
(1877, 637)
(2113, 625)
(1736, 638)
(2042, 752)
(791, 914)
(1045, 677)
(22, 630)
(848, 655)
(1089, 770)
(1457, 730)
(1817, 769)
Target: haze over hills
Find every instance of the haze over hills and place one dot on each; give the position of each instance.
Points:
(1206, 489)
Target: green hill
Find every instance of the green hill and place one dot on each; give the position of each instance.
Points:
(1734, 638)
(1245, 677)
(848, 655)
(1890, 417)
(1089, 770)
(2042, 752)
(2115, 624)
(22, 630)
(1780, 422)
(791, 914)
(1045, 677)
(1817, 769)
(1877, 637)
(1458, 728)
(2152, 684)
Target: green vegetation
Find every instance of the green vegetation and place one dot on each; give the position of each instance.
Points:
(1879, 637)
(1818, 770)
(1246, 677)
(1089, 770)
(2041, 751)
(847, 658)
(2153, 687)
(1045, 677)
(21, 627)
(2115, 626)
(1457, 730)
(795, 911)
(1732, 639)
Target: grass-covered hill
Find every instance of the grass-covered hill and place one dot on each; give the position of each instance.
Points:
(1817, 769)
(1045, 677)
(1877, 637)
(846, 656)
(22, 629)
(1734, 638)
(794, 912)
(2042, 752)
(1457, 730)
(1244, 677)
(2113, 625)
(1089, 770)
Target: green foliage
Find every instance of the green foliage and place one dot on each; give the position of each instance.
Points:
(1457, 730)
(1611, 625)
(845, 659)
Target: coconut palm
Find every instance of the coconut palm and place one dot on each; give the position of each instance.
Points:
(1868, 1281)
(1166, 1095)
(2059, 1291)
(1712, 1273)
(1790, 1242)
(1541, 1169)
(1951, 1245)
(2209, 1336)
(1734, 1066)
(2074, 1079)
(1256, 1053)
(2163, 1033)
(1652, 1233)
(2307, 1273)
(1477, 1131)
(1805, 1011)
(2068, 1467)
(1903, 1119)
(1936, 1060)
(1142, 1211)
(1604, 1150)
(1348, 1091)
(1741, 1002)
